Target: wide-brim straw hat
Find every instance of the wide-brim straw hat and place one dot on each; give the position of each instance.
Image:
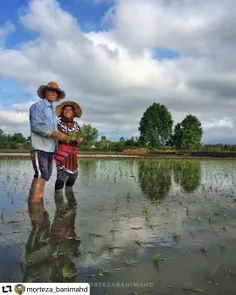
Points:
(51, 86)
(76, 107)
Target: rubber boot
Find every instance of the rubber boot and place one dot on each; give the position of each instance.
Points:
(36, 212)
(59, 200)
(70, 197)
(40, 226)
(36, 190)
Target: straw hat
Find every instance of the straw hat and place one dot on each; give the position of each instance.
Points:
(74, 105)
(51, 86)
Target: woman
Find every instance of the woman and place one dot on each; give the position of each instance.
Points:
(66, 155)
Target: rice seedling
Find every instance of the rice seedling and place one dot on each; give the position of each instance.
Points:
(56, 252)
(139, 242)
(224, 228)
(117, 204)
(176, 236)
(68, 272)
(210, 219)
(196, 290)
(23, 258)
(156, 257)
(144, 292)
(146, 212)
(113, 230)
(223, 247)
(149, 224)
(213, 271)
(192, 233)
(131, 262)
(95, 235)
(111, 247)
(109, 271)
(32, 279)
(187, 210)
(199, 220)
(204, 250)
(230, 272)
(42, 237)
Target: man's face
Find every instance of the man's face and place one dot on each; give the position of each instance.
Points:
(20, 290)
(51, 95)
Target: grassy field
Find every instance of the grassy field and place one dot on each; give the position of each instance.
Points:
(140, 152)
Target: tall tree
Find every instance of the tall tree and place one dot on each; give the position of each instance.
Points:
(175, 139)
(188, 133)
(131, 142)
(103, 138)
(18, 138)
(3, 139)
(90, 134)
(156, 125)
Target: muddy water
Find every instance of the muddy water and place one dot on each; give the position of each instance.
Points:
(128, 213)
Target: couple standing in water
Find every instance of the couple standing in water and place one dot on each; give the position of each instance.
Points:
(54, 139)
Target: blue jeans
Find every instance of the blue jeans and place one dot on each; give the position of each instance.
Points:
(42, 164)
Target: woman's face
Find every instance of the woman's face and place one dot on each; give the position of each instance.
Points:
(68, 112)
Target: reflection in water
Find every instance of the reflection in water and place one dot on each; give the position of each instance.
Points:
(36, 266)
(155, 178)
(64, 245)
(187, 174)
(50, 250)
(87, 167)
(115, 228)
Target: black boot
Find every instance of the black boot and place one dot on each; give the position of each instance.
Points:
(59, 200)
(70, 197)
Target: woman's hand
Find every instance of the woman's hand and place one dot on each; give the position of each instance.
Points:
(80, 140)
(59, 136)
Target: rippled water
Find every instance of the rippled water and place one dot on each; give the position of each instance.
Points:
(129, 213)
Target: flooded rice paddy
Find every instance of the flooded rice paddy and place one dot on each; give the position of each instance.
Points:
(139, 226)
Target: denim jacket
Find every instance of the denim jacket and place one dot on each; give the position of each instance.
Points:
(43, 121)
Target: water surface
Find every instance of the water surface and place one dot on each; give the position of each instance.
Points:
(140, 227)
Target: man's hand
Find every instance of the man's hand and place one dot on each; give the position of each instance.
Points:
(59, 136)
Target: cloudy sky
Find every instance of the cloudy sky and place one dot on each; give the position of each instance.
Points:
(118, 57)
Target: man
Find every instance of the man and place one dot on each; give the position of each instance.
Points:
(44, 137)
(19, 289)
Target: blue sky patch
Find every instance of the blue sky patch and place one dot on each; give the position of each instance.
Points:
(165, 53)
(12, 93)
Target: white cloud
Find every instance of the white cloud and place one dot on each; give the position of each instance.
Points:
(181, 25)
(12, 117)
(113, 74)
(4, 31)
(22, 107)
(222, 122)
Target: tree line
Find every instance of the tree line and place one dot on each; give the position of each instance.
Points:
(156, 132)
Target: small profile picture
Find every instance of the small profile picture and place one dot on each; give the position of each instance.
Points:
(19, 289)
